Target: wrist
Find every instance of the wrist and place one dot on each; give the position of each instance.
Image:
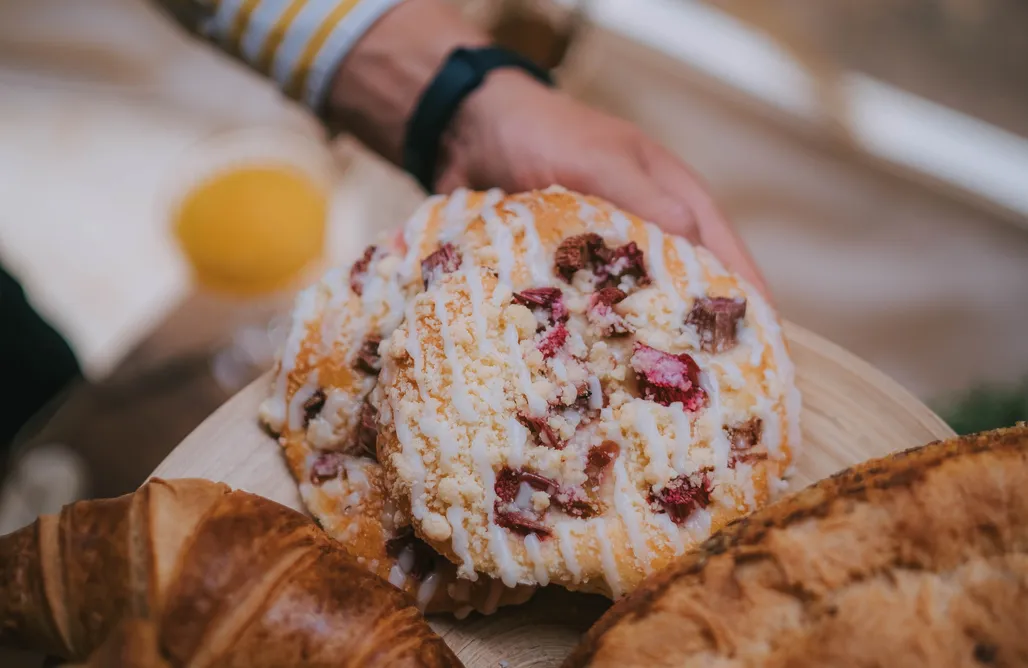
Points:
(472, 150)
(379, 83)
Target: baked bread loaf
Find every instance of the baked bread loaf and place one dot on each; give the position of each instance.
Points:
(576, 398)
(216, 577)
(318, 408)
(917, 559)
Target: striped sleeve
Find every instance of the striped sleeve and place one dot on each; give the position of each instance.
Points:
(298, 43)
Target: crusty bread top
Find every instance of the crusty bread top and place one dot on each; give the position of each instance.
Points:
(916, 559)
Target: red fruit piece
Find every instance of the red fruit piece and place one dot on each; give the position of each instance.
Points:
(312, 407)
(548, 299)
(717, 321)
(359, 270)
(553, 339)
(541, 429)
(601, 312)
(624, 261)
(422, 556)
(368, 360)
(600, 457)
(743, 438)
(581, 251)
(666, 378)
(443, 261)
(519, 523)
(327, 466)
(367, 431)
(683, 495)
(571, 503)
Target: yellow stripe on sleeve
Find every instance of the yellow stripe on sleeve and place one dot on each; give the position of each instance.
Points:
(275, 37)
(298, 77)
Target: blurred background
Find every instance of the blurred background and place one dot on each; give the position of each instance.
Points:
(873, 153)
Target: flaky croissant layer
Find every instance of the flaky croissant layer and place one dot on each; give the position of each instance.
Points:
(191, 573)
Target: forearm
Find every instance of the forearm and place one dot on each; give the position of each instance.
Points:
(360, 64)
(379, 83)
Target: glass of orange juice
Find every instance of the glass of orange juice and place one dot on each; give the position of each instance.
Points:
(249, 210)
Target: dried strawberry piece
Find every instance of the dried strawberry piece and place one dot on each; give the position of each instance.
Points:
(601, 312)
(666, 378)
(368, 359)
(519, 523)
(579, 252)
(542, 431)
(717, 321)
(743, 438)
(327, 466)
(625, 261)
(683, 495)
(571, 503)
(507, 482)
(548, 299)
(312, 407)
(553, 339)
(359, 270)
(423, 556)
(600, 457)
(444, 260)
(367, 431)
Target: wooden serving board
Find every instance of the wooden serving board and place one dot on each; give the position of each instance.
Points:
(851, 412)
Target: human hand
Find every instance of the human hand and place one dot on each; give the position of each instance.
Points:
(516, 134)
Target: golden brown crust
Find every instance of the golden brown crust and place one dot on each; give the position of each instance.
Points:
(226, 577)
(920, 558)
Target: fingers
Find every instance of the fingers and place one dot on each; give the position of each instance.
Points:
(629, 187)
(715, 232)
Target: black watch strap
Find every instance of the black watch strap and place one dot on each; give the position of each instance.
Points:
(463, 71)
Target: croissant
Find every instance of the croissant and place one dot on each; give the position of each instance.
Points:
(189, 572)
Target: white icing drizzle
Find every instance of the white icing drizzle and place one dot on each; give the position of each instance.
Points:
(414, 234)
(459, 542)
(674, 534)
(505, 564)
(559, 370)
(295, 412)
(587, 213)
(411, 454)
(492, 601)
(426, 590)
(455, 214)
(658, 269)
(595, 393)
(567, 550)
(535, 555)
(492, 196)
(517, 436)
(305, 309)
(502, 241)
(497, 539)
(699, 523)
(536, 404)
(534, 256)
(696, 279)
(458, 386)
(397, 577)
(477, 293)
(610, 567)
(621, 223)
(683, 441)
(433, 427)
(646, 426)
(625, 508)
(718, 439)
